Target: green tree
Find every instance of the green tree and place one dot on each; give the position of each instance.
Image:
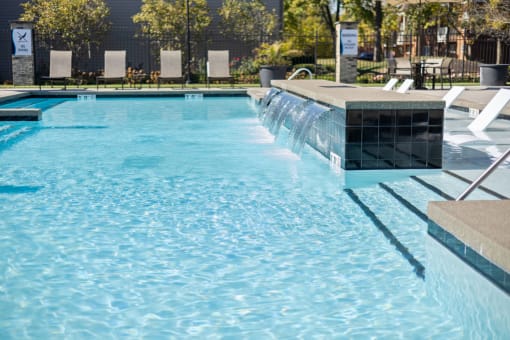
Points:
(166, 20)
(247, 20)
(305, 20)
(491, 18)
(421, 17)
(370, 13)
(76, 24)
(300, 13)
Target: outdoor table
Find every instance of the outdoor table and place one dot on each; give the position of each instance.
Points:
(419, 74)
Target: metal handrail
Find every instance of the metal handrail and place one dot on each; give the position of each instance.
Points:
(483, 176)
(299, 70)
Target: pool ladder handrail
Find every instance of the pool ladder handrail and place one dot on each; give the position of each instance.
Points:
(476, 183)
(299, 70)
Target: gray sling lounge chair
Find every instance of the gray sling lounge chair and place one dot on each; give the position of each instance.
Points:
(114, 67)
(60, 67)
(218, 67)
(171, 67)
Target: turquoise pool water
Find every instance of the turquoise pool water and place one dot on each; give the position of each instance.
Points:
(166, 218)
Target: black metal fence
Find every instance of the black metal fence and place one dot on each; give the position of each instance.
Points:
(466, 53)
(317, 54)
(142, 50)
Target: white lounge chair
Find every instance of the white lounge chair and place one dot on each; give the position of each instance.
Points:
(114, 67)
(390, 84)
(451, 95)
(405, 86)
(218, 67)
(60, 67)
(491, 111)
(171, 67)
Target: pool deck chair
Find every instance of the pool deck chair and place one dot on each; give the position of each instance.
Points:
(171, 67)
(390, 84)
(218, 67)
(491, 111)
(399, 68)
(405, 86)
(452, 95)
(60, 67)
(114, 67)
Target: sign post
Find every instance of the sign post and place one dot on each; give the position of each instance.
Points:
(22, 53)
(346, 52)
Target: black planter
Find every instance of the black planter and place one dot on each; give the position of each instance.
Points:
(267, 73)
(493, 74)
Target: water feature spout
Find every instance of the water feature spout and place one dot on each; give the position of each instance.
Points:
(297, 114)
(278, 109)
(302, 126)
(269, 96)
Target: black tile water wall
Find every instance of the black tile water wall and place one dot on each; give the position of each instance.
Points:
(407, 138)
(393, 139)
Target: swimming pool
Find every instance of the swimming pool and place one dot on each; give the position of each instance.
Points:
(160, 217)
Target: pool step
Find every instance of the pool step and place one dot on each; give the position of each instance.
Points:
(34, 103)
(407, 216)
(25, 114)
(4, 128)
(48, 103)
(415, 192)
(420, 213)
(22, 103)
(10, 135)
(452, 186)
(482, 187)
(414, 195)
(398, 225)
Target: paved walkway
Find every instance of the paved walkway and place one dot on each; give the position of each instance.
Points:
(12, 94)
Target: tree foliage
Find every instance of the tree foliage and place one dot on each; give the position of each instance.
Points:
(247, 20)
(369, 13)
(306, 19)
(77, 24)
(490, 18)
(166, 20)
(300, 13)
(425, 15)
(366, 13)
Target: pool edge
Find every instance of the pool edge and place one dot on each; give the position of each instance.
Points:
(477, 232)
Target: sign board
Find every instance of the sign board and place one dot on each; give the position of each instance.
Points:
(22, 42)
(349, 42)
(442, 32)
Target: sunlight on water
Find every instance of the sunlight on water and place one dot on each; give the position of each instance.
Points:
(180, 219)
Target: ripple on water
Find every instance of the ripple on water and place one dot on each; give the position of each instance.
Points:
(214, 239)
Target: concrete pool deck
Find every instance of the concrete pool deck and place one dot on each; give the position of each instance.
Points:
(482, 225)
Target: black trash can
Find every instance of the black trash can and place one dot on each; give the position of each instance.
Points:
(493, 74)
